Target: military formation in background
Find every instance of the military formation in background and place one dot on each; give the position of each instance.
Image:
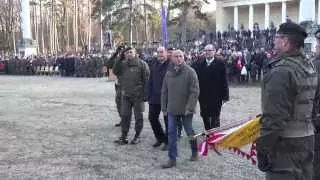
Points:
(67, 65)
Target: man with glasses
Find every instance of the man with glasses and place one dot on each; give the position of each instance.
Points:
(214, 89)
(157, 72)
(285, 147)
(179, 97)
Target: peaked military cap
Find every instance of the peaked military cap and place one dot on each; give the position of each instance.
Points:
(290, 28)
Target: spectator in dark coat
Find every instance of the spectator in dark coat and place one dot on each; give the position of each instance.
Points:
(214, 88)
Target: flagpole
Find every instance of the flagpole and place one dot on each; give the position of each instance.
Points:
(164, 27)
(225, 127)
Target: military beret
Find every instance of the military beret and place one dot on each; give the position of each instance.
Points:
(317, 34)
(290, 28)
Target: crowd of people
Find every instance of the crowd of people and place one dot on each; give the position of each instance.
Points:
(244, 52)
(242, 66)
(173, 83)
(172, 87)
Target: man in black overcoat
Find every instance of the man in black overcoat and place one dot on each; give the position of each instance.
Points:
(214, 89)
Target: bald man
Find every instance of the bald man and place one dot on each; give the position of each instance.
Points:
(179, 95)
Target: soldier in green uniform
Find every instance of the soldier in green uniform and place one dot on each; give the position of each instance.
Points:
(77, 66)
(99, 67)
(133, 73)
(316, 113)
(285, 147)
(109, 63)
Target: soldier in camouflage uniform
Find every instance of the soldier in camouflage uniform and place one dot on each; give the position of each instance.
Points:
(286, 143)
(316, 113)
(133, 73)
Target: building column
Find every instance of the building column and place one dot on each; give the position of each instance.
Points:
(266, 15)
(307, 10)
(26, 25)
(220, 22)
(251, 17)
(284, 12)
(236, 18)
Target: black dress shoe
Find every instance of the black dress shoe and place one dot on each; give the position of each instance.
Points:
(194, 157)
(117, 125)
(157, 144)
(121, 141)
(169, 164)
(135, 140)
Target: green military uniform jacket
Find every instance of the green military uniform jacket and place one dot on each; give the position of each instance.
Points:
(134, 77)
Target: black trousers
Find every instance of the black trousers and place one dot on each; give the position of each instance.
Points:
(159, 133)
(210, 114)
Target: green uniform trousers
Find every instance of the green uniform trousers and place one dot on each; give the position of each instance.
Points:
(127, 104)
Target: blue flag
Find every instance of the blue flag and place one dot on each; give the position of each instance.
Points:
(164, 27)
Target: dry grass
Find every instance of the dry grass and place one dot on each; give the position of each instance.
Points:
(62, 128)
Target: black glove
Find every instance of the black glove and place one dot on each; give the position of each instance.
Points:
(264, 161)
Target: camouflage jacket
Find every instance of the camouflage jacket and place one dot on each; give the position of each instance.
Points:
(288, 91)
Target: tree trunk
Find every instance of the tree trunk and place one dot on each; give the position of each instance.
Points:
(57, 42)
(52, 28)
(184, 25)
(137, 33)
(36, 26)
(76, 25)
(14, 42)
(42, 28)
(67, 26)
(89, 27)
(131, 21)
(101, 27)
(145, 21)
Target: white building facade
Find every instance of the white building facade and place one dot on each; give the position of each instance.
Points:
(263, 12)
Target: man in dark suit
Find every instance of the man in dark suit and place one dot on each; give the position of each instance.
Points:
(214, 90)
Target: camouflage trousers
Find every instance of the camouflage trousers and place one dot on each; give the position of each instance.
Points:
(118, 98)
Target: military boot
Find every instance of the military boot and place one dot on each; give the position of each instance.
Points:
(122, 140)
(135, 140)
(118, 124)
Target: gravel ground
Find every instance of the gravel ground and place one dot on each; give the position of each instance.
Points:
(63, 128)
